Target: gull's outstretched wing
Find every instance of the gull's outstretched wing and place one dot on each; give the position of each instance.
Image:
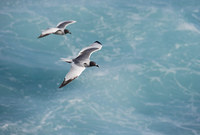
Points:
(64, 24)
(85, 53)
(48, 31)
(74, 72)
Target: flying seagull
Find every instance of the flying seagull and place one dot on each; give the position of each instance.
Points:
(59, 30)
(79, 63)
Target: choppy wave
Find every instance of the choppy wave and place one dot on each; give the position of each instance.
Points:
(147, 83)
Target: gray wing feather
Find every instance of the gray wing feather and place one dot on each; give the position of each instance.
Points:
(85, 54)
(64, 24)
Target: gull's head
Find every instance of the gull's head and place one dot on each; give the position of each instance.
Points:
(67, 31)
(92, 63)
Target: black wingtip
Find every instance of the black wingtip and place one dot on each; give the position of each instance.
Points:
(63, 84)
(39, 36)
(98, 42)
(66, 82)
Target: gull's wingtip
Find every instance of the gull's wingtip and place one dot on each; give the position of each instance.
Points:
(98, 42)
(65, 82)
(40, 36)
(72, 21)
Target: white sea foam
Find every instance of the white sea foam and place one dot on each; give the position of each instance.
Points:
(140, 55)
(177, 46)
(155, 78)
(134, 67)
(101, 73)
(185, 26)
(46, 116)
(76, 100)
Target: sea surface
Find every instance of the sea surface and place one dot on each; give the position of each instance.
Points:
(148, 82)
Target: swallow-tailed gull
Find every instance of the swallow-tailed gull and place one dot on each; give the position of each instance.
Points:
(79, 63)
(59, 30)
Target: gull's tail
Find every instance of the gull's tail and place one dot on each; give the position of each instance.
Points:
(66, 60)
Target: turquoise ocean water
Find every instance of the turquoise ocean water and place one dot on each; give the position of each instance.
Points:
(148, 82)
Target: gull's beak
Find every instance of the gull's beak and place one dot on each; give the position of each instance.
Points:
(97, 66)
(70, 33)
